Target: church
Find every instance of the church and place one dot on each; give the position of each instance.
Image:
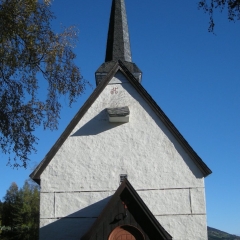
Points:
(121, 169)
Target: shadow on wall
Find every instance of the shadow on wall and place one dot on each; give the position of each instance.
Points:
(96, 125)
(73, 226)
(100, 123)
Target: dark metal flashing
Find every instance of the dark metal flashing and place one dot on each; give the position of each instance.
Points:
(35, 175)
(118, 43)
(104, 69)
(128, 195)
(107, 66)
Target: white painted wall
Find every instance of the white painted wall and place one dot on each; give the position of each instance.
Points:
(87, 167)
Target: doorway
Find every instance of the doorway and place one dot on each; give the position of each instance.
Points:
(126, 232)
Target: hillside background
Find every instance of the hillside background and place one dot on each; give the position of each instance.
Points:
(214, 234)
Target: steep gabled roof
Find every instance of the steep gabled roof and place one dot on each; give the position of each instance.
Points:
(134, 206)
(119, 66)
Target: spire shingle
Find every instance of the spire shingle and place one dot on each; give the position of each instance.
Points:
(118, 43)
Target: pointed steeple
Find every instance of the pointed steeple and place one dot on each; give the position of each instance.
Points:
(118, 43)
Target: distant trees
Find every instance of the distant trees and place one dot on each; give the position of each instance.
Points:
(209, 6)
(30, 51)
(20, 213)
(0, 214)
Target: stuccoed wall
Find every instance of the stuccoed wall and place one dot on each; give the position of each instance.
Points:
(82, 176)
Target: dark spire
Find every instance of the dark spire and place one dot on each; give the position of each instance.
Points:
(118, 44)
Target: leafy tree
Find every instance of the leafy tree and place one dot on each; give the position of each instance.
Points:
(30, 209)
(11, 211)
(20, 212)
(29, 49)
(233, 8)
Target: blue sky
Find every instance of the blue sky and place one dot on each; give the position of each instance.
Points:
(193, 75)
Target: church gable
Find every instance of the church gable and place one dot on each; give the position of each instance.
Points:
(126, 215)
(119, 85)
(139, 144)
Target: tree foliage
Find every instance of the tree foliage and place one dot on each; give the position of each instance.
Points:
(31, 52)
(1, 204)
(233, 8)
(20, 212)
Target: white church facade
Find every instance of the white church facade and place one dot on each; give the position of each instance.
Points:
(121, 169)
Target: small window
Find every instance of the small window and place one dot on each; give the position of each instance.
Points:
(122, 177)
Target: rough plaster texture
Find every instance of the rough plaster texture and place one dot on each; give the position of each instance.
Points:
(77, 204)
(185, 227)
(86, 169)
(143, 148)
(163, 202)
(47, 205)
(198, 200)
